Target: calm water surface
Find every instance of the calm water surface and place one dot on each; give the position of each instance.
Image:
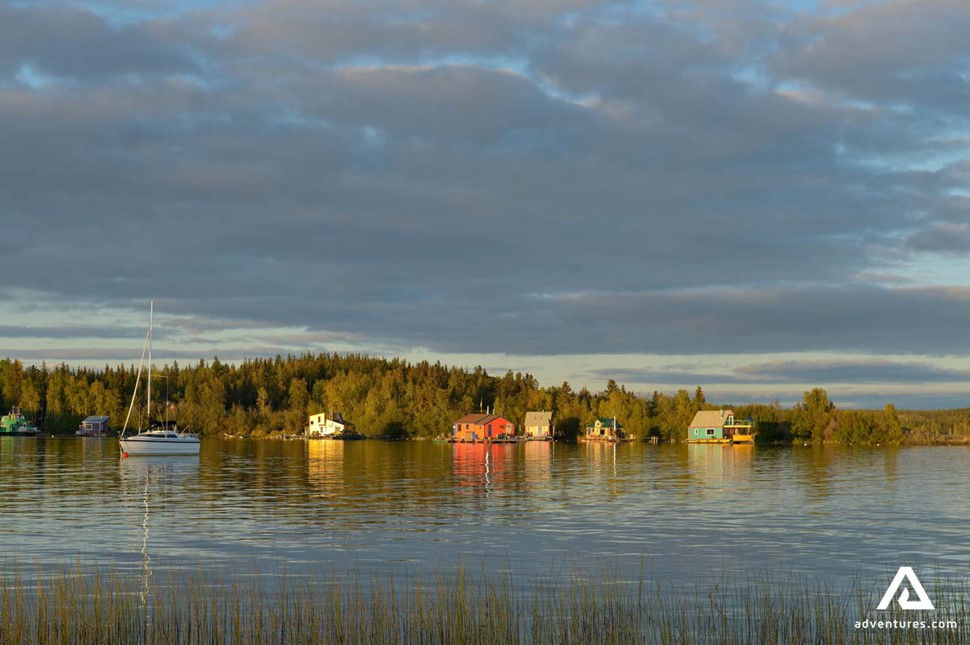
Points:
(678, 512)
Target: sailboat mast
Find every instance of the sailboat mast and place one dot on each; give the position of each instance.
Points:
(151, 316)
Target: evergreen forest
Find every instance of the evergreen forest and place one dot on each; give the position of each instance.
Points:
(393, 398)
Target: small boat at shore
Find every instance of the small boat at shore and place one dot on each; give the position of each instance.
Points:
(160, 437)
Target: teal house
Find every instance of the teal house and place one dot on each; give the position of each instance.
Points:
(719, 426)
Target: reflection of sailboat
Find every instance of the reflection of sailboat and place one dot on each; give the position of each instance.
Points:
(161, 437)
(145, 483)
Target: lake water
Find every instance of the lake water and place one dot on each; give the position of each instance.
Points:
(677, 512)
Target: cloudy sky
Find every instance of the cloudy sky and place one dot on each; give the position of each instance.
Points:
(754, 197)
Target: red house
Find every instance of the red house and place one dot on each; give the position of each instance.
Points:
(482, 427)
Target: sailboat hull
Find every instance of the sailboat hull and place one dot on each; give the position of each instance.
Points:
(157, 446)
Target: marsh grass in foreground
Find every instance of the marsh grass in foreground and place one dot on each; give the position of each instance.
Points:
(97, 605)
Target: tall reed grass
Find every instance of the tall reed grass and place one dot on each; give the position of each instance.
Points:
(99, 605)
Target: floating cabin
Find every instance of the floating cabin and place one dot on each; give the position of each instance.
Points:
(539, 426)
(605, 429)
(331, 426)
(482, 427)
(16, 424)
(93, 426)
(719, 426)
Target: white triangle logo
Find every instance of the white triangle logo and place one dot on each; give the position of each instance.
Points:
(906, 573)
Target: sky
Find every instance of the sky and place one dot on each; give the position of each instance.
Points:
(754, 197)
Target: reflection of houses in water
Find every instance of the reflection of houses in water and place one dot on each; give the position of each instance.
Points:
(706, 463)
(720, 467)
(706, 458)
(481, 466)
(601, 453)
(602, 456)
(325, 465)
(537, 461)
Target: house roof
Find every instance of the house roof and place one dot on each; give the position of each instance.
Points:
(95, 419)
(480, 419)
(606, 421)
(542, 418)
(711, 418)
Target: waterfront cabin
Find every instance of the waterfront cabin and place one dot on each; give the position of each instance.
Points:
(719, 426)
(16, 423)
(605, 429)
(93, 426)
(482, 427)
(328, 425)
(539, 426)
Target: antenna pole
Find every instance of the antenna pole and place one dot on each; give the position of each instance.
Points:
(151, 317)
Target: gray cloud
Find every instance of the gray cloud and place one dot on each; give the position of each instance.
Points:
(845, 399)
(901, 52)
(942, 238)
(538, 178)
(61, 332)
(817, 372)
(836, 371)
(72, 44)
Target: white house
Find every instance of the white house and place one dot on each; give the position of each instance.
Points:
(328, 425)
(538, 425)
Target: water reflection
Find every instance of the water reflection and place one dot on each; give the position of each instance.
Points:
(153, 488)
(602, 458)
(891, 467)
(537, 465)
(479, 467)
(706, 466)
(813, 466)
(826, 510)
(325, 467)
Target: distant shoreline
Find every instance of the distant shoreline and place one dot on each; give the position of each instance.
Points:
(953, 441)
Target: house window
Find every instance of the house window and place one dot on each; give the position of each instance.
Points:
(710, 432)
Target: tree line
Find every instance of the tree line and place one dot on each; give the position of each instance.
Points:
(395, 398)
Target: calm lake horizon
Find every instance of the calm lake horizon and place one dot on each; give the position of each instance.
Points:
(673, 513)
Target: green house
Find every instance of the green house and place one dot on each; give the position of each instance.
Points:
(15, 423)
(719, 426)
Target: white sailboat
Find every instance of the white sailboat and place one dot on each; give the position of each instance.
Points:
(161, 437)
